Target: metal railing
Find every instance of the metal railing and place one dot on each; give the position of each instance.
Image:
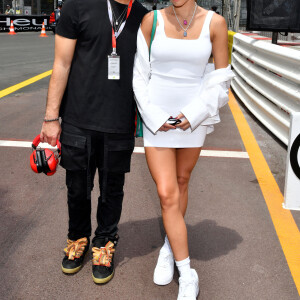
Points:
(267, 81)
(28, 7)
(268, 34)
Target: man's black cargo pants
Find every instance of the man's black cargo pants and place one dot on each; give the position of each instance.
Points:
(84, 151)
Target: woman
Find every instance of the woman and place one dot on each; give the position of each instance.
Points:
(179, 82)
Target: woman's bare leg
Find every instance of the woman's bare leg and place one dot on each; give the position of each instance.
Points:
(186, 159)
(162, 166)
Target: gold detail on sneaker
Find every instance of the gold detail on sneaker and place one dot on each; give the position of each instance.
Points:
(75, 248)
(103, 256)
(103, 280)
(70, 271)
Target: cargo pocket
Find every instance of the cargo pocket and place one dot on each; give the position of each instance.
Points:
(119, 155)
(69, 179)
(74, 155)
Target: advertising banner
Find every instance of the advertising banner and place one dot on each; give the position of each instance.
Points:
(24, 23)
(292, 176)
(273, 15)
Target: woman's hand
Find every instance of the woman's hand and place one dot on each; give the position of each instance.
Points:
(185, 124)
(166, 127)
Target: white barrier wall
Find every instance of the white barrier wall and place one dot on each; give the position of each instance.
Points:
(267, 82)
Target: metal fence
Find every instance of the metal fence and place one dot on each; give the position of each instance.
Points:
(40, 7)
(207, 4)
(268, 34)
(28, 7)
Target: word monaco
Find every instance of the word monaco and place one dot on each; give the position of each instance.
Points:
(24, 23)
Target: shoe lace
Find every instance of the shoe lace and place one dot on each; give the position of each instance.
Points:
(186, 288)
(75, 248)
(103, 256)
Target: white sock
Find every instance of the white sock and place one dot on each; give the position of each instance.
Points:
(184, 267)
(167, 247)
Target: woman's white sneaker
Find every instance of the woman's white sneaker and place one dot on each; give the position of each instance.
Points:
(189, 287)
(164, 270)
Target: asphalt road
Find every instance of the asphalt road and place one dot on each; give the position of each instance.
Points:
(233, 244)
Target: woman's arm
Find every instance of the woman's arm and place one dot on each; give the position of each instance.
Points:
(219, 39)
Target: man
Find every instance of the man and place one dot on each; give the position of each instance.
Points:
(9, 11)
(57, 11)
(91, 90)
(214, 8)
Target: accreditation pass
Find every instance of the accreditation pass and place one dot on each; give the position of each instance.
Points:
(114, 67)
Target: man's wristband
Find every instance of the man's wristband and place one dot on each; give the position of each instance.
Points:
(51, 120)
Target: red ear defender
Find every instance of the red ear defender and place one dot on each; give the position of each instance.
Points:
(44, 160)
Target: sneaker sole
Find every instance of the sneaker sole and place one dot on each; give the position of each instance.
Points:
(103, 280)
(75, 270)
(70, 271)
(162, 283)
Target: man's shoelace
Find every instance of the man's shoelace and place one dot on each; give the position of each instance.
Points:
(103, 256)
(75, 248)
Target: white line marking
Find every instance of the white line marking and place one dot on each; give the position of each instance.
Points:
(23, 144)
(139, 150)
(230, 154)
(209, 153)
(205, 153)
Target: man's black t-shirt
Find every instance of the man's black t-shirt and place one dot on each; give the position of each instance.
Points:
(91, 101)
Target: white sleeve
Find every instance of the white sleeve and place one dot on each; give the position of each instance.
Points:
(213, 95)
(153, 116)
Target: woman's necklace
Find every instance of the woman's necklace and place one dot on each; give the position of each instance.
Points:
(185, 21)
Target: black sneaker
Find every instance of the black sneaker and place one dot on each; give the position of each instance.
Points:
(103, 260)
(75, 252)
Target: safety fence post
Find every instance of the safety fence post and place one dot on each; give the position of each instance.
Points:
(292, 175)
(230, 43)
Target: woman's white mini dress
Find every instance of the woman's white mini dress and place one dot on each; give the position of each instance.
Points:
(177, 69)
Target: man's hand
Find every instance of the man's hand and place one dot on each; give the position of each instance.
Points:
(185, 124)
(50, 132)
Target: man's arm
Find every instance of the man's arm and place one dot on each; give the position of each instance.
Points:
(64, 51)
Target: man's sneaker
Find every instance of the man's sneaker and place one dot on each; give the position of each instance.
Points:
(164, 270)
(189, 288)
(75, 252)
(103, 262)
